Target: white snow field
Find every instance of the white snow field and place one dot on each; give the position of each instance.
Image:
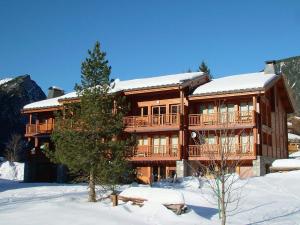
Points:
(272, 199)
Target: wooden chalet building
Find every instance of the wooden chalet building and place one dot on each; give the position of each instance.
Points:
(165, 110)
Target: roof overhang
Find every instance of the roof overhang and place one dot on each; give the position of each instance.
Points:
(226, 94)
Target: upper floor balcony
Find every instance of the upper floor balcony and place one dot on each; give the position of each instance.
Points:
(156, 153)
(152, 122)
(222, 120)
(38, 128)
(214, 151)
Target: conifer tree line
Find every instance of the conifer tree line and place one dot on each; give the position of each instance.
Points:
(88, 135)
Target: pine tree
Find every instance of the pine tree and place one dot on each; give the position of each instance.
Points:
(88, 134)
(204, 68)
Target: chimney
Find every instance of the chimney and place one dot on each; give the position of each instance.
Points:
(270, 67)
(54, 92)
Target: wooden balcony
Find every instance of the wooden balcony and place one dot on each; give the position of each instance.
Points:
(35, 129)
(213, 152)
(152, 123)
(227, 120)
(156, 153)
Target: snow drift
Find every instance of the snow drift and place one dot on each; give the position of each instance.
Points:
(157, 195)
(12, 171)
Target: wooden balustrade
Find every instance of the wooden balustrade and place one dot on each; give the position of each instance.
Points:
(210, 151)
(41, 128)
(222, 119)
(152, 120)
(156, 151)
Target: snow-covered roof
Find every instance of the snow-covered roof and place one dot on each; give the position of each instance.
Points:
(51, 102)
(119, 85)
(293, 136)
(5, 80)
(158, 81)
(236, 83)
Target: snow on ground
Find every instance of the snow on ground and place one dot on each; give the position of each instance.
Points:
(162, 196)
(272, 199)
(12, 171)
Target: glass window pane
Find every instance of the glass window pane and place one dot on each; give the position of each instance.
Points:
(163, 110)
(244, 106)
(210, 108)
(145, 141)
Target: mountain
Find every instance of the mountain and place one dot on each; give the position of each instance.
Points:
(290, 67)
(14, 94)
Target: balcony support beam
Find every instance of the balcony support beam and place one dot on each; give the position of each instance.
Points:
(254, 99)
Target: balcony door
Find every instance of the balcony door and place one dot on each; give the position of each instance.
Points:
(158, 115)
(227, 113)
(246, 142)
(245, 110)
(174, 113)
(174, 144)
(159, 144)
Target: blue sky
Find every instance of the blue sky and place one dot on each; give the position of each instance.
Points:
(49, 39)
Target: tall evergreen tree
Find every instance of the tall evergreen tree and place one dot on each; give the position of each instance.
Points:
(204, 68)
(88, 134)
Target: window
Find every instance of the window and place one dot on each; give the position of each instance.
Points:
(202, 109)
(245, 110)
(174, 143)
(228, 142)
(210, 109)
(143, 111)
(174, 109)
(246, 142)
(227, 113)
(159, 144)
(158, 115)
(246, 106)
(142, 140)
(210, 139)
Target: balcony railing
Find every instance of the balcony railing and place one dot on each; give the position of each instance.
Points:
(221, 119)
(211, 151)
(163, 120)
(41, 128)
(159, 152)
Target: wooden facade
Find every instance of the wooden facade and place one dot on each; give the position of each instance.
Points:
(244, 124)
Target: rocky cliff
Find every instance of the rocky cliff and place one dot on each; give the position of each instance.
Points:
(14, 94)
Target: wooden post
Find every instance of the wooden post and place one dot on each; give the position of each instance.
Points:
(114, 198)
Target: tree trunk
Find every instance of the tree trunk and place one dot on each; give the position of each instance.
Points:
(223, 207)
(92, 190)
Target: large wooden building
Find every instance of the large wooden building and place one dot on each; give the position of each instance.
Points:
(165, 110)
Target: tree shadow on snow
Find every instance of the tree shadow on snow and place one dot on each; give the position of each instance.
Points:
(275, 217)
(205, 212)
(14, 184)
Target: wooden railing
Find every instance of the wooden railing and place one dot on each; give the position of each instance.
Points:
(41, 128)
(152, 120)
(215, 150)
(158, 151)
(227, 118)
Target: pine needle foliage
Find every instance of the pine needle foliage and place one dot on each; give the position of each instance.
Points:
(88, 134)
